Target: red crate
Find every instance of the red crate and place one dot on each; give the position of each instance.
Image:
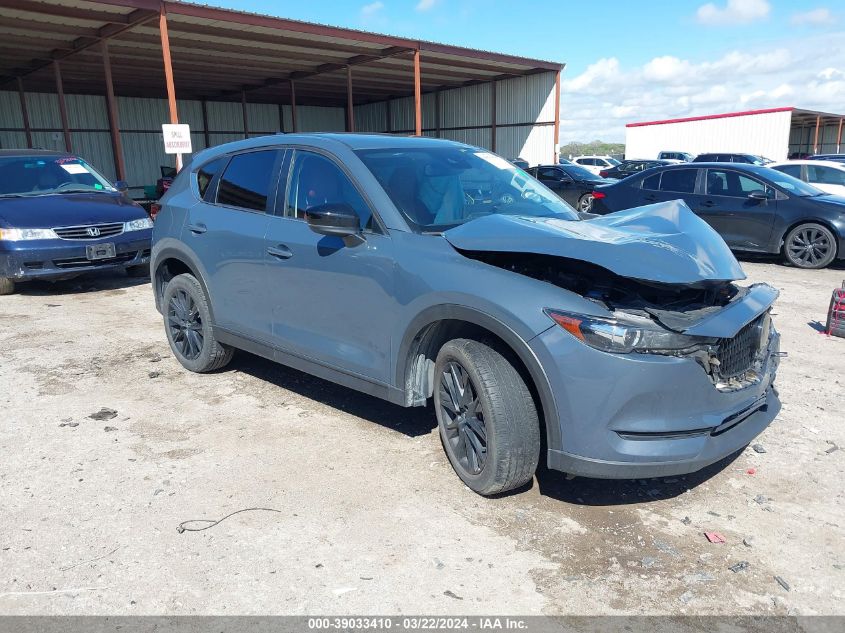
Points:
(836, 313)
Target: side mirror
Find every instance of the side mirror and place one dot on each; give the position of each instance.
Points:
(334, 218)
(758, 194)
(121, 185)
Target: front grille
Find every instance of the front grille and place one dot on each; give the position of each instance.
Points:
(736, 355)
(89, 231)
(82, 262)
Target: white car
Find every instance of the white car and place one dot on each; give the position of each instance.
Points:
(595, 164)
(827, 175)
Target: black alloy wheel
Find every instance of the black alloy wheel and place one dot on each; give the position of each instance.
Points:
(185, 323)
(464, 425)
(810, 246)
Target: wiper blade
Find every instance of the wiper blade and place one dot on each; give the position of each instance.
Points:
(78, 191)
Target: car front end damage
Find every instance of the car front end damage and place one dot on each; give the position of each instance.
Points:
(659, 363)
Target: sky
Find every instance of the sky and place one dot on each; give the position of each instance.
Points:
(629, 61)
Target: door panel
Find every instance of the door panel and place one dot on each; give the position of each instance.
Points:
(332, 299)
(744, 223)
(230, 242)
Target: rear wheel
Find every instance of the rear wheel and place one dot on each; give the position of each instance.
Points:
(809, 246)
(585, 203)
(7, 286)
(487, 418)
(187, 321)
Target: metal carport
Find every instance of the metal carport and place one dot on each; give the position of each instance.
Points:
(99, 77)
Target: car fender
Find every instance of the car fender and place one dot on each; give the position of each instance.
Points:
(171, 248)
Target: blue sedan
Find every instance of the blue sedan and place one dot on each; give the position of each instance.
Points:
(59, 218)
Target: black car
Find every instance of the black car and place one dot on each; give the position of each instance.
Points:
(724, 157)
(839, 158)
(572, 183)
(630, 167)
(753, 208)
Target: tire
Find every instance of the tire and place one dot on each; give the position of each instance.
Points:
(138, 271)
(7, 286)
(585, 203)
(809, 246)
(187, 322)
(484, 382)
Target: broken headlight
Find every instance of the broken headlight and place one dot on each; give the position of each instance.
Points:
(624, 336)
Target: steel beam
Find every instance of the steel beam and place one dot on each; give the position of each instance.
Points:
(114, 123)
(60, 91)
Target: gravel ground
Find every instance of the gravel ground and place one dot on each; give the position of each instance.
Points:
(369, 517)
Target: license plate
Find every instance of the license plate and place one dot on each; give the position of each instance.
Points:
(100, 251)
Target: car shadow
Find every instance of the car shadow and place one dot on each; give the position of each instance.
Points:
(411, 421)
(818, 326)
(419, 421)
(87, 283)
(755, 258)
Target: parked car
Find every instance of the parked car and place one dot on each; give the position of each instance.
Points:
(564, 161)
(520, 162)
(419, 269)
(753, 208)
(572, 183)
(839, 158)
(827, 175)
(749, 159)
(683, 157)
(595, 163)
(59, 218)
(629, 167)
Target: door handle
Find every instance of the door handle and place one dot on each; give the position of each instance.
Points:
(280, 252)
(708, 203)
(198, 228)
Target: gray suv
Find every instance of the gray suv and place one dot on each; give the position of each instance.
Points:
(422, 270)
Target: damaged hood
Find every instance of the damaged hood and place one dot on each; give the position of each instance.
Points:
(663, 243)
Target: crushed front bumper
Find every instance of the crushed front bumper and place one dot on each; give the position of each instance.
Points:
(57, 259)
(627, 416)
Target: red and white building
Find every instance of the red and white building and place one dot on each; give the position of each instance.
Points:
(774, 133)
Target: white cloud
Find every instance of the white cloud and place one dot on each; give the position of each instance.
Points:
(733, 12)
(815, 17)
(598, 102)
(368, 10)
(425, 5)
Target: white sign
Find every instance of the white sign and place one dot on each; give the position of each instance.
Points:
(177, 138)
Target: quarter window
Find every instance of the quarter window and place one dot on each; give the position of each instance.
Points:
(315, 181)
(248, 180)
(207, 172)
(679, 180)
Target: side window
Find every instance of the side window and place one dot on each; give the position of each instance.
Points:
(314, 181)
(549, 174)
(679, 180)
(206, 174)
(248, 180)
(652, 183)
(731, 183)
(825, 175)
(792, 170)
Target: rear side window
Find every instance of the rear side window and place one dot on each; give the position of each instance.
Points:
(207, 172)
(824, 175)
(679, 180)
(652, 183)
(792, 170)
(248, 180)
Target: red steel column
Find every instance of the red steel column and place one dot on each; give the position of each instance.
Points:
(60, 90)
(555, 156)
(244, 114)
(816, 137)
(114, 125)
(493, 115)
(168, 72)
(839, 136)
(25, 113)
(417, 95)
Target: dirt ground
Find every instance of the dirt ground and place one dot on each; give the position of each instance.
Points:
(369, 518)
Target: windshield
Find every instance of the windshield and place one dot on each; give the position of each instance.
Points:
(437, 188)
(613, 162)
(42, 175)
(793, 185)
(579, 173)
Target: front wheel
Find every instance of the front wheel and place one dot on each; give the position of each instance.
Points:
(585, 203)
(487, 418)
(809, 245)
(187, 321)
(7, 286)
